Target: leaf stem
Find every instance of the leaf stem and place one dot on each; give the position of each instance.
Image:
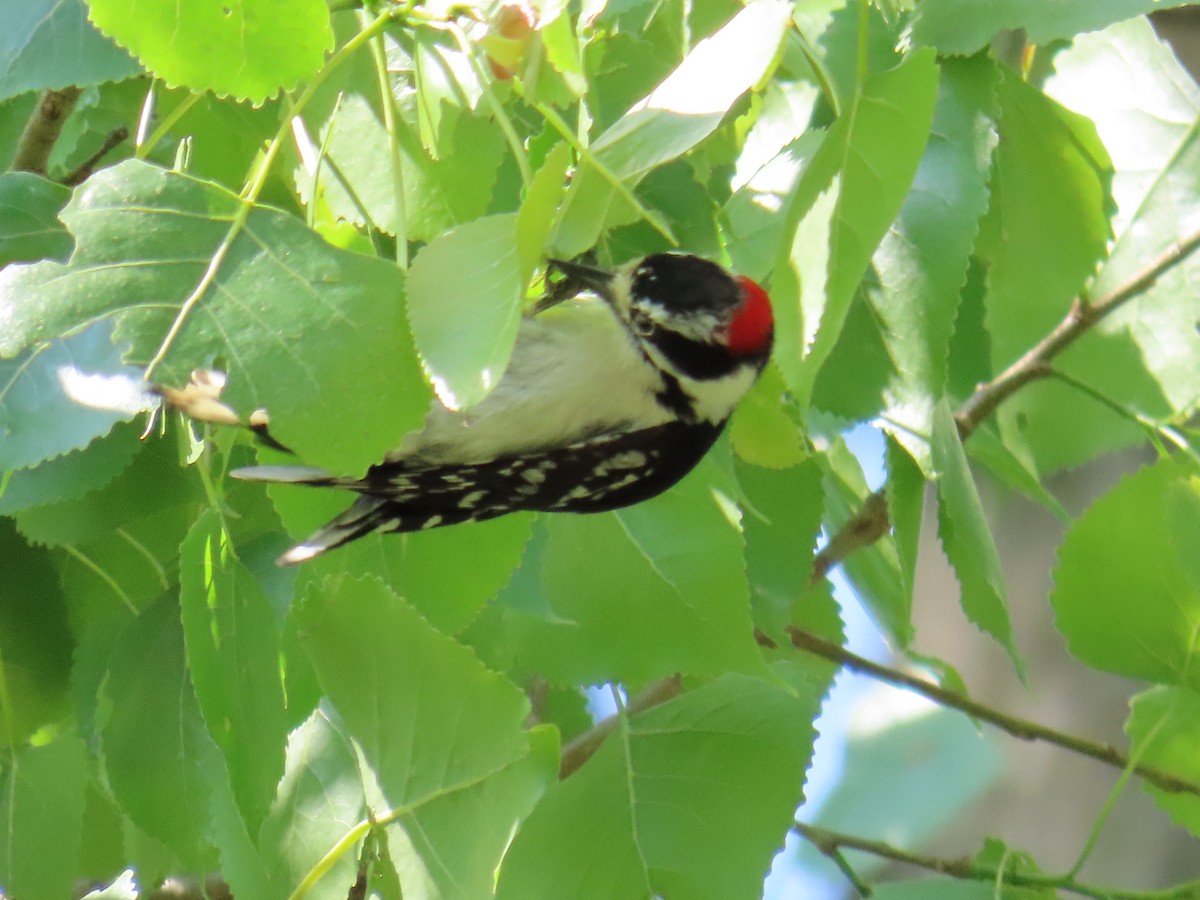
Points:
(144, 148)
(255, 183)
(585, 155)
(95, 569)
(387, 99)
(862, 62)
(820, 72)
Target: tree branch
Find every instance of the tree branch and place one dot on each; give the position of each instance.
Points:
(1082, 317)
(871, 523)
(1017, 727)
(43, 129)
(85, 168)
(830, 842)
(580, 750)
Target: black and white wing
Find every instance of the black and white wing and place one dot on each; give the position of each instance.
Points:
(593, 475)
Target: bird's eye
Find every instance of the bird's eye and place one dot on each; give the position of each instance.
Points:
(642, 325)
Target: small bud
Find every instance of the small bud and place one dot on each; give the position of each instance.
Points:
(508, 38)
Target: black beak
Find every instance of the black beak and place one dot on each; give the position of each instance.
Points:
(578, 277)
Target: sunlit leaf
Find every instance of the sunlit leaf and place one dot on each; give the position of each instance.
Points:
(281, 311)
(231, 634)
(689, 804)
(964, 26)
(240, 48)
(51, 44)
(1105, 564)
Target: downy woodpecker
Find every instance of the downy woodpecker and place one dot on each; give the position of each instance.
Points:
(606, 402)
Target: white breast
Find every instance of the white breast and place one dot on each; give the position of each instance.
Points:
(575, 372)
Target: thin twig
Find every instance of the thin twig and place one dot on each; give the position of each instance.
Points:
(1080, 319)
(42, 130)
(580, 750)
(1017, 727)
(85, 168)
(828, 841)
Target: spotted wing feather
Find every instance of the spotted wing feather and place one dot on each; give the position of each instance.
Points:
(602, 473)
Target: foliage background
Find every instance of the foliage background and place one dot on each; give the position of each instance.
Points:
(975, 221)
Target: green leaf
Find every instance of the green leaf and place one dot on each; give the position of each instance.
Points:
(242, 49)
(431, 855)
(35, 640)
(440, 746)
(966, 538)
(464, 302)
(905, 501)
(426, 567)
(1143, 103)
(536, 216)
(29, 225)
(1163, 728)
(439, 735)
(685, 108)
(41, 818)
(761, 431)
(651, 590)
(681, 202)
(51, 44)
(873, 571)
(232, 639)
(1146, 107)
(281, 311)
(320, 797)
(154, 742)
(864, 168)
(781, 520)
(1046, 228)
(921, 264)
(1010, 461)
(730, 752)
(153, 483)
(753, 219)
(964, 26)
(41, 416)
(1048, 223)
(355, 178)
(72, 476)
(689, 104)
(1145, 526)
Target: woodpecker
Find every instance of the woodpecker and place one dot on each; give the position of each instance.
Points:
(609, 399)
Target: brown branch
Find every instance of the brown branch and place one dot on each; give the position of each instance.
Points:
(580, 750)
(85, 168)
(43, 129)
(1082, 317)
(871, 523)
(830, 842)
(1017, 727)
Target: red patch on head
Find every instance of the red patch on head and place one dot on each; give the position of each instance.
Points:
(753, 326)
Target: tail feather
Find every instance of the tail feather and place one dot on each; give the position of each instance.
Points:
(305, 475)
(364, 516)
